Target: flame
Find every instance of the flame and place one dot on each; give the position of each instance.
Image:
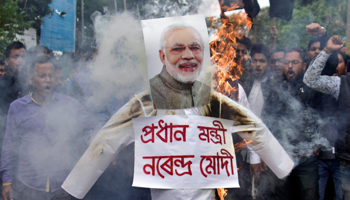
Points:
(240, 145)
(222, 193)
(239, 167)
(223, 54)
(223, 50)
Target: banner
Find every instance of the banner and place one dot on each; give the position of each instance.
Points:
(184, 151)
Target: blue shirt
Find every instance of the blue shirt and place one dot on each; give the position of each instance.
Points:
(43, 143)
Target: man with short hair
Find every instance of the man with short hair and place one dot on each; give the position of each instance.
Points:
(294, 65)
(259, 65)
(276, 64)
(288, 109)
(314, 48)
(10, 83)
(257, 89)
(242, 56)
(43, 139)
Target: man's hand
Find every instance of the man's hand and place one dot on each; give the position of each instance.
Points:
(274, 32)
(7, 192)
(255, 169)
(315, 29)
(335, 43)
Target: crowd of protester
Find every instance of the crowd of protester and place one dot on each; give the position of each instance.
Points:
(305, 117)
(40, 105)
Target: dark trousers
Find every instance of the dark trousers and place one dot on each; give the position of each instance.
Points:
(325, 169)
(302, 183)
(23, 192)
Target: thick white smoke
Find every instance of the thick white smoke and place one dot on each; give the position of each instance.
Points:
(120, 64)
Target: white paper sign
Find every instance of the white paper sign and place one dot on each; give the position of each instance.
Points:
(184, 151)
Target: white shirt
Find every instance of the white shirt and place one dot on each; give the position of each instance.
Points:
(254, 158)
(256, 99)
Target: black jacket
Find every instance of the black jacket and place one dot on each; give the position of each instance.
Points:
(289, 111)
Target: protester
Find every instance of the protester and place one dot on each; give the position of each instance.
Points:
(326, 106)
(46, 133)
(276, 64)
(259, 64)
(287, 111)
(342, 67)
(10, 83)
(257, 87)
(242, 58)
(338, 87)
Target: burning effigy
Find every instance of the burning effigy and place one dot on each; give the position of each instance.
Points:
(181, 127)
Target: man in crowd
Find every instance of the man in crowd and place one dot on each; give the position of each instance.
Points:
(276, 64)
(10, 83)
(254, 90)
(259, 65)
(46, 133)
(242, 56)
(338, 87)
(314, 48)
(287, 111)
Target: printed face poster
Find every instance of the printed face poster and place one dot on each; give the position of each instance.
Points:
(177, 50)
(184, 151)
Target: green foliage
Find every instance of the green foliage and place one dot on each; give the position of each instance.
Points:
(35, 11)
(11, 23)
(329, 14)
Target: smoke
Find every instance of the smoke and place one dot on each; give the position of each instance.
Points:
(167, 8)
(295, 125)
(120, 65)
(118, 71)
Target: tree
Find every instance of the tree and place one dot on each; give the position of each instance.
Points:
(35, 11)
(330, 14)
(11, 23)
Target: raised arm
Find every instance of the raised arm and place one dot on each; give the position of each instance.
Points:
(326, 84)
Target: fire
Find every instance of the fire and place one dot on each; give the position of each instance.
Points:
(223, 54)
(240, 145)
(222, 193)
(223, 51)
(239, 167)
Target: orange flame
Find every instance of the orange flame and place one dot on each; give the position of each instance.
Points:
(223, 51)
(240, 145)
(239, 167)
(222, 193)
(223, 54)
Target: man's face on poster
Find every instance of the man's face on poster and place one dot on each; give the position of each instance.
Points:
(182, 54)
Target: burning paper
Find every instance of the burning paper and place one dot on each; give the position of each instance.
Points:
(184, 151)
